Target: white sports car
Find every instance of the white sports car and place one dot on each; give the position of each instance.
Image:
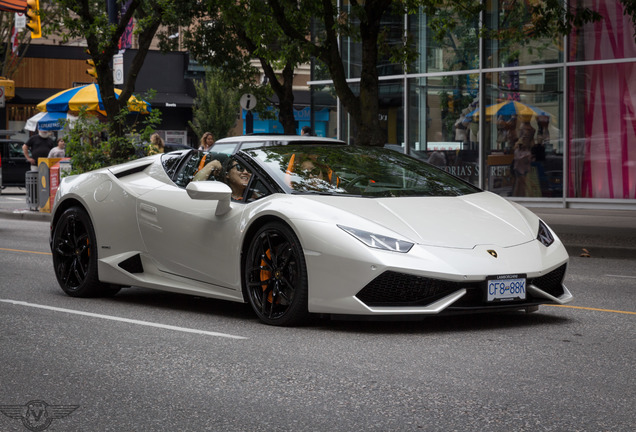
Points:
(304, 229)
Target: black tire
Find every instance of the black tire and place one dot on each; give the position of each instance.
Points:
(276, 276)
(74, 251)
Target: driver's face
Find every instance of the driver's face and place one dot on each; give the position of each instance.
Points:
(239, 175)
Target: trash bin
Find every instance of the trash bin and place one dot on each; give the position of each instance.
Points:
(31, 184)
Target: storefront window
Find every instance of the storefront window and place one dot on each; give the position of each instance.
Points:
(610, 38)
(440, 131)
(526, 111)
(507, 51)
(602, 131)
(391, 116)
(391, 42)
(457, 50)
(523, 134)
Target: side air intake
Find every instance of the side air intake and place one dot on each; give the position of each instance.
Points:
(132, 264)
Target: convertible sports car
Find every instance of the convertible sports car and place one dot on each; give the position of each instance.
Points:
(300, 229)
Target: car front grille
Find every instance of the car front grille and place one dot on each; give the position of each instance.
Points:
(552, 282)
(396, 289)
(399, 289)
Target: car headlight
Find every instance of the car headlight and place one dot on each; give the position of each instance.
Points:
(379, 241)
(544, 235)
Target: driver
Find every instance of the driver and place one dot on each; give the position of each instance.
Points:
(237, 177)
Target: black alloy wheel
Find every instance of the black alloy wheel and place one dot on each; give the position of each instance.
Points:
(74, 251)
(276, 276)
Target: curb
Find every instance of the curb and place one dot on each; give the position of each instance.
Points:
(25, 215)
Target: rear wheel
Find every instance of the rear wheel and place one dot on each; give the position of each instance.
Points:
(276, 276)
(74, 250)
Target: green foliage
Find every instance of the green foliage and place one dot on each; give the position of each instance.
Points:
(89, 20)
(215, 106)
(90, 146)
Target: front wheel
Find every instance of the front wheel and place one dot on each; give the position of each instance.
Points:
(74, 251)
(276, 276)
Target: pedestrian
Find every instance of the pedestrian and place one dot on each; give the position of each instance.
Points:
(306, 130)
(38, 146)
(207, 141)
(59, 151)
(156, 144)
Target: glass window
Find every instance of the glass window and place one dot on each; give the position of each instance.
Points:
(602, 137)
(227, 148)
(390, 42)
(457, 50)
(352, 170)
(504, 15)
(390, 117)
(15, 150)
(171, 162)
(199, 166)
(610, 38)
(523, 133)
(440, 127)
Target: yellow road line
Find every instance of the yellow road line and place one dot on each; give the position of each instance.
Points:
(24, 251)
(594, 309)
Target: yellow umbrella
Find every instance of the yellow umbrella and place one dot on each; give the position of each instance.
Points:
(508, 108)
(87, 96)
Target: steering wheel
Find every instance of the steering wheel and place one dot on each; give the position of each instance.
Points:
(354, 181)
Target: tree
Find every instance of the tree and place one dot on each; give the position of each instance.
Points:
(91, 20)
(241, 30)
(215, 106)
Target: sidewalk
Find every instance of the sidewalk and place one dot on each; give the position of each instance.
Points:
(603, 233)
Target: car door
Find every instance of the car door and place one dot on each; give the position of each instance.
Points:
(185, 236)
(187, 239)
(14, 165)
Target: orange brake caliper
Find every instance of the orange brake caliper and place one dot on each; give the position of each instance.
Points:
(266, 274)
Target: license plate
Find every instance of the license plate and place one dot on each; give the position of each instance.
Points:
(506, 288)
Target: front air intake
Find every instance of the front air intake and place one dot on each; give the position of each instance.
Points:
(399, 289)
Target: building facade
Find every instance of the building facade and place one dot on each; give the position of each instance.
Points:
(549, 122)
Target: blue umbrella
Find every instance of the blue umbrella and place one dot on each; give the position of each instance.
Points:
(49, 121)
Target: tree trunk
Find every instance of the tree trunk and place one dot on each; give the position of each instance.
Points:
(285, 94)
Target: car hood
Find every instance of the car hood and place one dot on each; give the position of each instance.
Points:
(459, 222)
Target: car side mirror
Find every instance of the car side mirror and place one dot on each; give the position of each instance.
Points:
(213, 191)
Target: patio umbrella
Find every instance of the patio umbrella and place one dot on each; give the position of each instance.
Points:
(49, 121)
(87, 96)
(508, 108)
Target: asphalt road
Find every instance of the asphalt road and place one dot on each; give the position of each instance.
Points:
(149, 361)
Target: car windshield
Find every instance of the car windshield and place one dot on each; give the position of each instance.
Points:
(353, 170)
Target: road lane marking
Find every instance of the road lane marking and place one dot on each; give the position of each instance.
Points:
(621, 276)
(126, 320)
(24, 251)
(594, 309)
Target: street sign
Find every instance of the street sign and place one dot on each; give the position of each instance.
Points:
(20, 21)
(2, 98)
(118, 69)
(248, 101)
